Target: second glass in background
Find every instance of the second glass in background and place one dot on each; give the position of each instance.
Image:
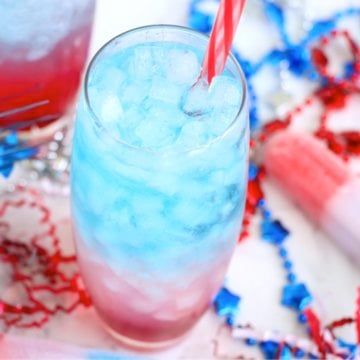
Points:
(43, 50)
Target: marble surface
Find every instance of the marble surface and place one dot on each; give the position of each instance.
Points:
(255, 272)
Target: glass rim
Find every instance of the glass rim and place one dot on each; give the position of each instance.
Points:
(169, 149)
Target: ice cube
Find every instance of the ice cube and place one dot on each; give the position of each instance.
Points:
(192, 134)
(183, 66)
(221, 119)
(111, 111)
(161, 89)
(107, 77)
(143, 64)
(225, 91)
(181, 120)
(166, 115)
(160, 126)
(134, 93)
(196, 101)
(131, 118)
(154, 135)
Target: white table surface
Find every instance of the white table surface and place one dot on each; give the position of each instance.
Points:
(255, 272)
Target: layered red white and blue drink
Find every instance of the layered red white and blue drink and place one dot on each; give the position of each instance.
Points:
(158, 182)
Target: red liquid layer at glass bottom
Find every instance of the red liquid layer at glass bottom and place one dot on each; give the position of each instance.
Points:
(53, 78)
(133, 315)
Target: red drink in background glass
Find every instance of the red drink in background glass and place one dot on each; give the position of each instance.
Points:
(43, 50)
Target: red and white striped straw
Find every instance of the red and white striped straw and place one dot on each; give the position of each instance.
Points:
(221, 38)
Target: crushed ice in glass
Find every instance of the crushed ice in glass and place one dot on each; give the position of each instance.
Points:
(150, 97)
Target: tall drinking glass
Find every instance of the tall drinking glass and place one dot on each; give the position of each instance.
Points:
(43, 49)
(158, 182)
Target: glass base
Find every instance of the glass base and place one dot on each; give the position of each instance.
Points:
(139, 345)
(48, 170)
